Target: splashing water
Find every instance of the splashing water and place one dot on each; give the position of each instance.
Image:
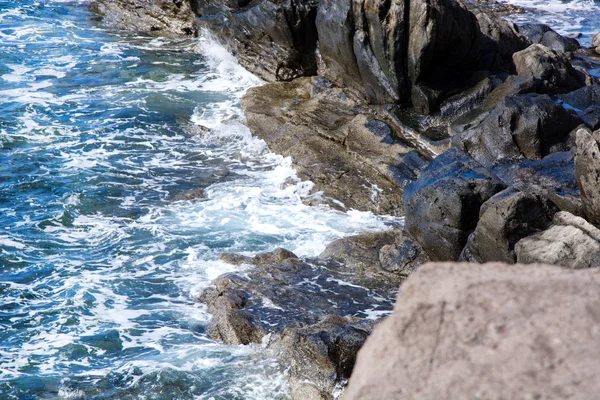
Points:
(104, 240)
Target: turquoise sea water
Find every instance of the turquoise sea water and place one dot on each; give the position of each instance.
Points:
(102, 250)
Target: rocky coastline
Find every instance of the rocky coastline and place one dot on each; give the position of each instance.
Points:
(482, 133)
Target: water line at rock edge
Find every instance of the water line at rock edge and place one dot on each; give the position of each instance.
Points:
(115, 205)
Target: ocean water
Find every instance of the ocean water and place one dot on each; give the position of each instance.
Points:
(102, 248)
(567, 17)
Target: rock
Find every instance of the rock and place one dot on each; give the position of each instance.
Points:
(527, 125)
(493, 331)
(586, 101)
(500, 39)
(570, 242)
(543, 34)
(391, 255)
(165, 17)
(506, 218)
(553, 71)
(267, 298)
(467, 100)
(596, 42)
(192, 194)
(388, 50)
(552, 177)
(442, 205)
(442, 42)
(320, 357)
(587, 172)
(582, 98)
(275, 40)
(354, 159)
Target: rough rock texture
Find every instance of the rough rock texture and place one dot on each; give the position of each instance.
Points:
(492, 331)
(553, 71)
(587, 172)
(552, 177)
(500, 39)
(321, 356)
(275, 40)
(442, 206)
(527, 125)
(506, 218)
(391, 255)
(354, 158)
(596, 42)
(586, 101)
(570, 242)
(544, 35)
(270, 297)
(164, 17)
(313, 314)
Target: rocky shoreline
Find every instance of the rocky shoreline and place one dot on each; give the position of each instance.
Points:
(484, 135)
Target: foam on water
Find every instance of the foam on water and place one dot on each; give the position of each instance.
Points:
(564, 16)
(100, 258)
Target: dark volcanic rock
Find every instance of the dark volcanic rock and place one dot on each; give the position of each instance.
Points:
(268, 298)
(500, 39)
(395, 51)
(275, 40)
(552, 177)
(494, 331)
(506, 218)
(165, 17)
(570, 242)
(391, 255)
(586, 101)
(553, 71)
(587, 172)
(321, 356)
(543, 34)
(442, 206)
(519, 126)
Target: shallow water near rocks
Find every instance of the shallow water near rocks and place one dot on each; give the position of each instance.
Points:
(114, 208)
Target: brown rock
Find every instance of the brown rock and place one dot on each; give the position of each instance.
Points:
(492, 331)
(587, 173)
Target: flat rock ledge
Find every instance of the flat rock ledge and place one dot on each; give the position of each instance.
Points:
(491, 331)
(312, 314)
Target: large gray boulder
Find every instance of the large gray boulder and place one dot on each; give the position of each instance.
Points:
(570, 242)
(164, 17)
(442, 206)
(587, 172)
(492, 331)
(552, 70)
(521, 126)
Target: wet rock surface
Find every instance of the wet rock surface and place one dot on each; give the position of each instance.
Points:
(161, 17)
(442, 206)
(522, 126)
(352, 155)
(492, 331)
(313, 314)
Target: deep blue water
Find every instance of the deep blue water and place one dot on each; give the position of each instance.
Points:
(100, 255)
